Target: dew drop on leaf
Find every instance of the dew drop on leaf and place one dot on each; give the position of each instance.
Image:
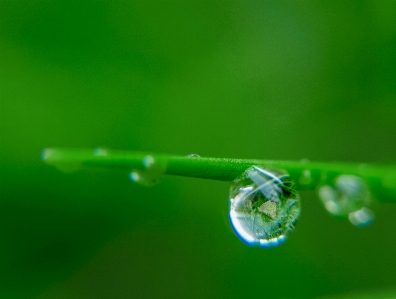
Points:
(306, 177)
(349, 198)
(151, 172)
(48, 154)
(100, 152)
(193, 156)
(264, 206)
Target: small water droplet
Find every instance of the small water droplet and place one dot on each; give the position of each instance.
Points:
(349, 198)
(148, 162)
(49, 155)
(363, 166)
(264, 206)
(193, 156)
(306, 177)
(100, 152)
(153, 170)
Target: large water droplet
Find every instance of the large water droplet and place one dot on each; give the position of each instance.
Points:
(153, 170)
(264, 206)
(349, 197)
(193, 156)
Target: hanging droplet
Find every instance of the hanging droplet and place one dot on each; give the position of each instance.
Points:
(100, 152)
(153, 170)
(306, 177)
(264, 206)
(50, 155)
(348, 198)
(193, 156)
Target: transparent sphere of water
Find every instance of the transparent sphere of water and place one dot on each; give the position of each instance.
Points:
(152, 172)
(264, 206)
(349, 197)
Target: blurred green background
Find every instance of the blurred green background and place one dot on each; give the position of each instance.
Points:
(242, 79)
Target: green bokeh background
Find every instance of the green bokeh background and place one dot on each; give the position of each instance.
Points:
(242, 79)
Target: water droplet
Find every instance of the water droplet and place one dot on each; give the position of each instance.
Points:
(363, 166)
(51, 157)
(306, 177)
(100, 152)
(193, 156)
(148, 162)
(47, 153)
(348, 198)
(153, 170)
(264, 206)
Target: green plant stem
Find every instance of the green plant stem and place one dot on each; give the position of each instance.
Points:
(306, 174)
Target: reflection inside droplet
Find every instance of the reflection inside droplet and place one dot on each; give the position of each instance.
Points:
(264, 206)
